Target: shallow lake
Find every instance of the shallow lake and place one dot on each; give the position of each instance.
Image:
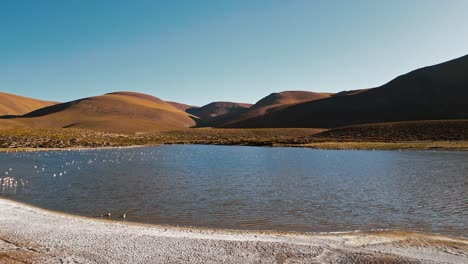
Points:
(291, 189)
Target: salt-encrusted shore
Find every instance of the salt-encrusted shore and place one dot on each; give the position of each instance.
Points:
(32, 235)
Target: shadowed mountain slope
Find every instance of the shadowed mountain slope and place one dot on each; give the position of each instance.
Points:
(216, 111)
(432, 93)
(271, 103)
(11, 104)
(120, 111)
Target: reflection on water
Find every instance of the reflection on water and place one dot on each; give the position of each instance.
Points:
(250, 187)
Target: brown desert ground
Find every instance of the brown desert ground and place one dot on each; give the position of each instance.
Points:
(32, 235)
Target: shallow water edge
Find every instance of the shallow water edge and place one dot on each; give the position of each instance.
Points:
(328, 145)
(31, 233)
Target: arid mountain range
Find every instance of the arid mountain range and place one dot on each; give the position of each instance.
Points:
(438, 92)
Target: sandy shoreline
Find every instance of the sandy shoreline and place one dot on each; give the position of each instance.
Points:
(32, 235)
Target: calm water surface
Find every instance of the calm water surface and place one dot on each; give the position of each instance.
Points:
(249, 187)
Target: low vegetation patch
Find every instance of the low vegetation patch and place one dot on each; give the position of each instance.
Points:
(402, 135)
(68, 138)
(443, 130)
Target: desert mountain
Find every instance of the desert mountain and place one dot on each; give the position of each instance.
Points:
(431, 93)
(120, 111)
(181, 106)
(271, 103)
(216, 111)
(436, 92)
(11, 104)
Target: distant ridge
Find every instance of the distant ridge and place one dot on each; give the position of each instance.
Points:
(181, 106)
(11, 104)
(214, 112)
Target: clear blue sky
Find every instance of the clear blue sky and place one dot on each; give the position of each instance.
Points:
(201, 51)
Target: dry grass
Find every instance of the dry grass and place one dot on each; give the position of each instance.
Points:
(255, 137)
(358, 137)
(419, 145)
(434, 130)
(68, 138)
(60, 138)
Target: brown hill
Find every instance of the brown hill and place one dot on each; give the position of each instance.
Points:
(11, 104)
(271, 103)
(432, 93)
(216, 111)
(181, 106)
(120, 111)
(287, 98)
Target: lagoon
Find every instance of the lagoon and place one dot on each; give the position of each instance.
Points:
(237, 187)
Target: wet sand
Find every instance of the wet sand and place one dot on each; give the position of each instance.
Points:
(32, 235)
